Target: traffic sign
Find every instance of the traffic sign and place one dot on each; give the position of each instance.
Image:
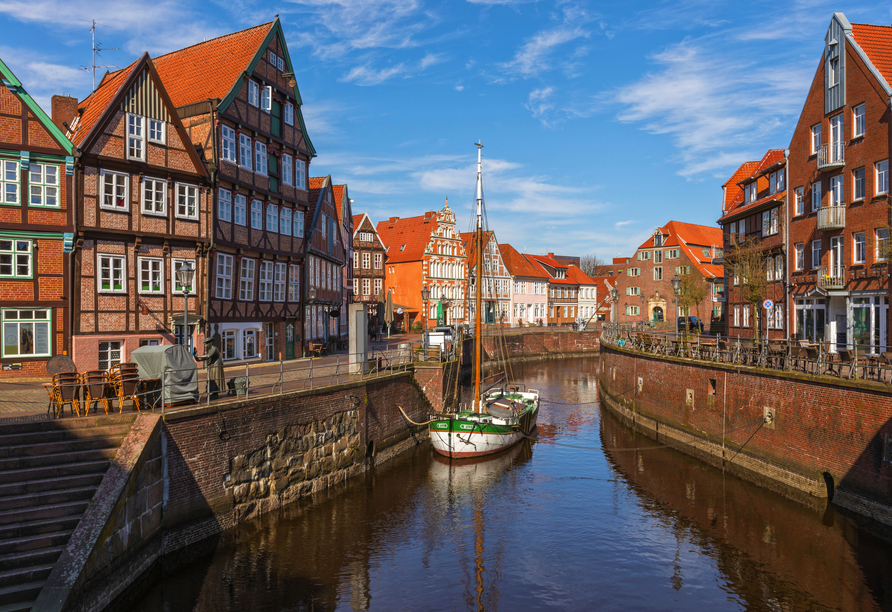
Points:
(767, 304)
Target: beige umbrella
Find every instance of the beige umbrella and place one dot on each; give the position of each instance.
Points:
(388, 311)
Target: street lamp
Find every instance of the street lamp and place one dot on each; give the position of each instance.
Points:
(676, 285)
(184, 278)
(614, 296)
(425, 296)
(444, 304)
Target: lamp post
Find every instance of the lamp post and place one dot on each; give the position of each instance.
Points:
(614, 295)
(444, 304)
(184, 278)
(311, 298)
(676, 285)
(425, 295)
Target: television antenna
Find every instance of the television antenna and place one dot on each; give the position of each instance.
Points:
(97, 49)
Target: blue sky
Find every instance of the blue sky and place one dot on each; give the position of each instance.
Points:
(600, 120)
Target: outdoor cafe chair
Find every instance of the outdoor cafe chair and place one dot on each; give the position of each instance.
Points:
(124, 378)
(886, 364)
(66, 390)
(95, 383)
(846, 357)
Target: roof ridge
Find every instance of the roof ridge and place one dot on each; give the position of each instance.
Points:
(208, 40)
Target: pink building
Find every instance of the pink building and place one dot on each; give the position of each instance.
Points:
(528, 289)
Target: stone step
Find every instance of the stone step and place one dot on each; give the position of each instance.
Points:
(54, 471)
(35, 542)
(59, 435)
(39, 527)
(71, 445)
(47, 498)
(20, 596)
(50, 484)
(20, 515)
(66, 424)
(24, 575)
(30, 558)
(71, 458)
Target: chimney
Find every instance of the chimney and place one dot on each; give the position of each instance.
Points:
(64, 109)
(394, 219)
(551, 255)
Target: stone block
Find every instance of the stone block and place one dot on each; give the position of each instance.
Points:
(153, 470)
(154, 494)
(353, 441)
(309, 457)
(141, 497)
(313, 470)
(238, 463)
(240, 477)
(296, 474)
(327, 449)
(327, 464)
(241, 492)
(279, 464)
(257, 458)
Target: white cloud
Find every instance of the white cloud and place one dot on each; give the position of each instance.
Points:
(459, 87)
(364, 75)
(430, 59)
(622, 223)
(42, 77)
(540, 103)
(533, 57)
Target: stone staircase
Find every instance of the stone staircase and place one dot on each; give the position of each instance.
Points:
(49, 472)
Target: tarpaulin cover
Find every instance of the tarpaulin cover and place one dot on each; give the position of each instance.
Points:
(174, 366)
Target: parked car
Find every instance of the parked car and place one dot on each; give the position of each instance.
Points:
(693, 323)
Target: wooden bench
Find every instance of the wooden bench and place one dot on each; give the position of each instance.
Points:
(317, 349)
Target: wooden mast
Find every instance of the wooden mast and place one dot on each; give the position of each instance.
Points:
(478, 239)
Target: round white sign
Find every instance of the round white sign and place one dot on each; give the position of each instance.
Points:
(767, 303)
(399, 311)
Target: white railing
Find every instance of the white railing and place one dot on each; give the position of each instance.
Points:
(832, 277)
(831, 217)
(831, 155)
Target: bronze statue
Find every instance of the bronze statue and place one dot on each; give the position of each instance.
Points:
(214, 367)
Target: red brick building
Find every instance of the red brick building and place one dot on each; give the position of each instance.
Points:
(839, 181)
(326, 259)
(36, 229)
(685, 249)
(753, 230)
(344, 206)
(496, 290)
(239, 101)
(143, 211)
(426, 251)
(562, 290)
(367, 268)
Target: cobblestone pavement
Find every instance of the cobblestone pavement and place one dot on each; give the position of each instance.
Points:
(28, 399)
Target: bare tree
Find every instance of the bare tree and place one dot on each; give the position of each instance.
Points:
(691, 293)
(592, 265)
(746, 265)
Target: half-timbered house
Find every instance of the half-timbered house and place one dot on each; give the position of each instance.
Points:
(367, 268)
(495, 293)
(238, 98)
(326, 256)
(36, 225)
(344, 206)
(143, 211)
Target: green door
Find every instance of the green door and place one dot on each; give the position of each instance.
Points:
(289, 341)
(276, 119)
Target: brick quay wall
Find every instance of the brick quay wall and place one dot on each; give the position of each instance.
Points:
(826, 438)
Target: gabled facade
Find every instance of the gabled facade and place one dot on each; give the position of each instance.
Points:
(239, 101)
(587, 294)
(839, 183)
(143, 211)
(36, 229)
(367, 268)
(344, 206)
(326, 258)
(753, 233)
(562, 290)
(496, 289)
(685, 249)
(529, 289)
(426, 251)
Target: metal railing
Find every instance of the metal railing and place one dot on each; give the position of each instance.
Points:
(831, 155)
(831, 217)
(832, 277)
(850, 361)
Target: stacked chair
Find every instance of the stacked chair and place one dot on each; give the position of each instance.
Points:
(95, 383)
(124, 379)
(65, 390)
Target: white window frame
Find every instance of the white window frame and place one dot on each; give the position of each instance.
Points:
(187, 193)
(272, 218)
(837, 190)
(280, 273)
(149, 207)
(285, 221)
(298, 224)
(746, 315)
(294, 283)
(859, 124)
(229, 150)
(175, 265)
(261, 161)
(815, 254)
(20, 253)
(300, 174)
(112, 352)
(881, 176)
(287, 169)
(246, 280)
(10, 181)
(245, 152)
(799, 197)
(366, 260)
(815, 196)
(266, 99)
(859, 184)
(224, 205)
(136, 137)
(156, 126)
(815, 135)
(253, 93)
(151, 271)
(249, 339)
(881, 235)
(289, 113)
(379, 261)
(240, 210)
(265, 281)
(120, 182)
(44, 188)
(859, 247)
(256, 214)
(223, 277)
(119, 270)
(11, 325)
(800, 255)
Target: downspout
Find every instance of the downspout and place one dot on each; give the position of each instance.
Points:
(72, 283)
(214, 180)
(788, 293)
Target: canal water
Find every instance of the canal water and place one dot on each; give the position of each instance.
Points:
(588, 517)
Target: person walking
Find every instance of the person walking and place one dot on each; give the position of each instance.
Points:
(214, 367)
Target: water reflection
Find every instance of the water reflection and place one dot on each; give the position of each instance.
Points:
(558, 524)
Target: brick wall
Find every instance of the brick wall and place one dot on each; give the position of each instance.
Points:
(820, 425)
(539, 344)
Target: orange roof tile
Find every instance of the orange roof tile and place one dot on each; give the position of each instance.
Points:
(92, 107)
(471, 246)
(691, 239)
(209, 69)
(518, 265)
(732, 188)
(876, 41)
(406, 239)
(544, 260)
(357, 219)
(579, 276)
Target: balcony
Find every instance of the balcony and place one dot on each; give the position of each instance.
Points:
(833, 277)
(831, 217)
(831, 155)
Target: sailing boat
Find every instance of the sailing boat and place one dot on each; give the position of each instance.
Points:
(499, 417)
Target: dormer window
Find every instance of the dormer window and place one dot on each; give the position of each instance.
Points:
(403, 248)
(833, 71)
(658, 240)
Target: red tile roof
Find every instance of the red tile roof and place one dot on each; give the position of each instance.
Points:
(471, 247)
(733, 190)
(406, 239)
(771, 158)
(545, 260)
(338, 195)
(518, 265)
(876, 41)
(92, 107)
(211, 68)
(692, 239)
(735, 207)
(357, 219)
(580, 277)
(317, 184)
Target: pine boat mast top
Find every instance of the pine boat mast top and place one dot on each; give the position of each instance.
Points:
(478, 238)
